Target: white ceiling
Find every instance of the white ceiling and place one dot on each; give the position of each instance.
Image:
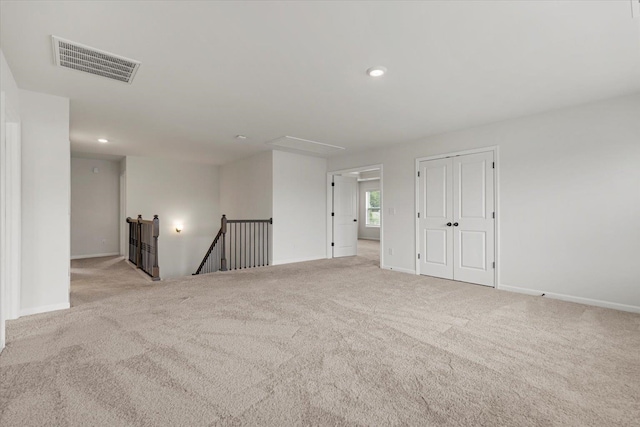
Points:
(267, 69)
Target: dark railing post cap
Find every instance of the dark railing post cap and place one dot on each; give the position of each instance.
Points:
(139, 216)
(155, 217)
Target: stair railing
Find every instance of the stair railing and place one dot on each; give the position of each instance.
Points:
(143, 244)
(240, 243)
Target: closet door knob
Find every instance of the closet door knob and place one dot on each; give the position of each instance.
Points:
(455, 224)
(448, 224)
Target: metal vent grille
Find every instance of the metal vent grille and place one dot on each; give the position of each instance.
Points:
(78, 57)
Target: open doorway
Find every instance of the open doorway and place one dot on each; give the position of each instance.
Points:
(355, 214)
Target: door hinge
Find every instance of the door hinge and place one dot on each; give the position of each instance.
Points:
(418, 214)
(494, 215)
(333, 184)
(418, 256)
(332, 244)
(418, 174)
(493, 165)
(494, 264)
(333, 214)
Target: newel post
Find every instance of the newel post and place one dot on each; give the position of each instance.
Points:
(139, 241)
(223, 259)
(156, 233)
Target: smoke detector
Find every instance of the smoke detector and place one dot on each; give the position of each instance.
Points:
(87, 59)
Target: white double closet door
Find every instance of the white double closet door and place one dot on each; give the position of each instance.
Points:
(456, 218)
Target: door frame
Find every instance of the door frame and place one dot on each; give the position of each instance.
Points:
(330, 206)
(496, 201)
(10, 214)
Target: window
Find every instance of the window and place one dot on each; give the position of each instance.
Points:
(373, 208)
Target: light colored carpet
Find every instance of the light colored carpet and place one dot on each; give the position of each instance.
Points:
(369, 249)
(329, 342)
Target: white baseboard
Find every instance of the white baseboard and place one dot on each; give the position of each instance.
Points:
(95, 255)
(400, 270)
(570, 298)
(44, 309)
(292, 260)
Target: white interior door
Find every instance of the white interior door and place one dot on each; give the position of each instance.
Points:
(473, 211)
(345, 216)
(456, 218)
(435, 213)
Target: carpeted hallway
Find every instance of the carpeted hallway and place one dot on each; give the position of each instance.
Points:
(369, 249)
(328, 342)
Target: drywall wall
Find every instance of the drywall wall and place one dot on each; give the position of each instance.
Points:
(569, 199)
(178, 192)
(95, 204)
(45, 202)
(299, 207)
(246, 187)
(364, 232)
(8, 84)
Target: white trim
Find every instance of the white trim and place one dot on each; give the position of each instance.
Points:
(294, 260)
(10, 214)
(496, 202)
(458, 153)
(44, 309)
(95, 255)
(367, 168)
(13, 193)
(368, 238)
(570, 298)
(398, 269)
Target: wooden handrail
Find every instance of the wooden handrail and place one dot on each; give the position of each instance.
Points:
(240, 243)
(143, 244)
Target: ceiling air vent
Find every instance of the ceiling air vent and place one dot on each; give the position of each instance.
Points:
(83, 58)
(306, 145)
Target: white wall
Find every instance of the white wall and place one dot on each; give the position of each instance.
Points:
(95, 204)
(8, 84)
(299, 207)
(179, 192)
(569, 199)
(364, 232)
(246, 188)
(45, 202)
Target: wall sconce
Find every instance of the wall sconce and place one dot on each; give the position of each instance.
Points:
(178, 228)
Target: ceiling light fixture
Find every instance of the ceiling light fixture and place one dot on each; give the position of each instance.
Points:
(377, 71)
(104, 141)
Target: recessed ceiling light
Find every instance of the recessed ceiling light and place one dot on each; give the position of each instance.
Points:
(241, 137)
(104, 141)
(377, 71)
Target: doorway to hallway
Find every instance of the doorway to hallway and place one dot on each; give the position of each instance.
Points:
(355, 215)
